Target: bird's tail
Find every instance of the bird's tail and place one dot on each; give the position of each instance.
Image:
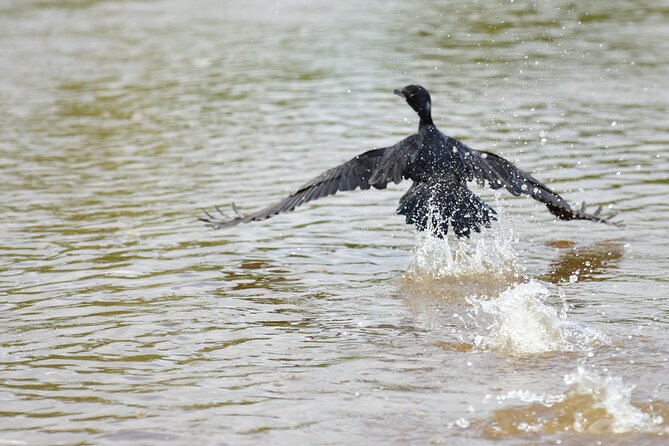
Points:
(433, 207)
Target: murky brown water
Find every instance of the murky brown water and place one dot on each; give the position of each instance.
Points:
(123, 320)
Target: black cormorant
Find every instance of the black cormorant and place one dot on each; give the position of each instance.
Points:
(439, 167)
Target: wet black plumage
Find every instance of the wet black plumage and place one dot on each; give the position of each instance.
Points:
(439, 167)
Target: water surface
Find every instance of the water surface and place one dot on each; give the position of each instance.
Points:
(123, 320)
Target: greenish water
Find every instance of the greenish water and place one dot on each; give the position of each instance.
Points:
(124, 320)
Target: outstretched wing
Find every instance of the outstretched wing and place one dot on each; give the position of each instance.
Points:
(497, 172)
(374, 168)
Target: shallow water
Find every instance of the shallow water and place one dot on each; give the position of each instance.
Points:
(123, 320)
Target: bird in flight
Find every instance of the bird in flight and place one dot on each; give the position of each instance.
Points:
(440, 168)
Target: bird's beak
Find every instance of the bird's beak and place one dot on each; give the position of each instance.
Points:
(400, 94)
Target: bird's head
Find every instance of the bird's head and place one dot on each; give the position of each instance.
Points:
(419, 99)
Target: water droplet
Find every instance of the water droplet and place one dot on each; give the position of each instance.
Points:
(463, 423)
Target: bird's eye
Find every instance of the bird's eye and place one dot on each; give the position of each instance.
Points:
(412, 95)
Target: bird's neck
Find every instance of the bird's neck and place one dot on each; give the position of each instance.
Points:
(425, 113)
(425, 120)
(426, 124)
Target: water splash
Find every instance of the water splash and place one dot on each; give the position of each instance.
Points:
(591, 403)
(489, 253)
(495, 306)
(613, 396)
(522, 321)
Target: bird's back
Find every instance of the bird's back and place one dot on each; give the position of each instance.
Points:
(437, 157)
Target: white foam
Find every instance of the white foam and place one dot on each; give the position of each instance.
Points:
(591, 403)
(520, 321)
(611, 394)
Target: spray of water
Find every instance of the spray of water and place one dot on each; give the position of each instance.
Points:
(592, 403)
(496, 307)
(519, 316)
(610, 394)
(522, 321)
(489, 253)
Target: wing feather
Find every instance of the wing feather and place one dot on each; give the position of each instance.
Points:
(373, 168)
(497, 172)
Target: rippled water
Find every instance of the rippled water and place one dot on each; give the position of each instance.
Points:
(124, 320)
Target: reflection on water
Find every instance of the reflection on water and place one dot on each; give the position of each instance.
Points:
(123, 320)
(595, 262)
